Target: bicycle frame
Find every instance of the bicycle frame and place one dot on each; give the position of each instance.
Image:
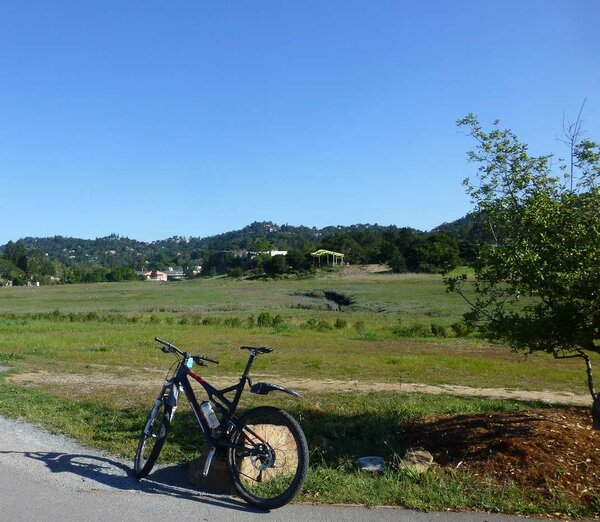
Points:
(226, 406)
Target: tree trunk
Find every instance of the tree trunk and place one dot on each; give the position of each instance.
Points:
(596, 412)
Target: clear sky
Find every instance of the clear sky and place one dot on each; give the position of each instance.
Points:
(152, 119)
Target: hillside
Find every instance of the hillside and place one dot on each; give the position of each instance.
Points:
(73, 259)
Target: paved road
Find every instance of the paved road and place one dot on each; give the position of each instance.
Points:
(46, 477)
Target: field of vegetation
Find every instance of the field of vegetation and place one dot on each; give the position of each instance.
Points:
(74, 352)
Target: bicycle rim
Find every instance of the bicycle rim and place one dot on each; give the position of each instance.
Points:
(272, 465)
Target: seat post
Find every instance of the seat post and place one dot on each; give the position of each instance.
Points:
(249, 364)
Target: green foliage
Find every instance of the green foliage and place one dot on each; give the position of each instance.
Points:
(398, 264)
(275, 265)
(340, 324)
(266, 319)
(537, 271)
(20, 264)
(76, 260)
(236, 272)
(121, 274)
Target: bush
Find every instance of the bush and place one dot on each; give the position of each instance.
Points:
(460, 328)
(276, 265)
(211, 321)
(236, 272)
(412, 330)
(264, 319)
(340, 324)
(323, 326)
(233, 322)
(438, 330)
(359, 326)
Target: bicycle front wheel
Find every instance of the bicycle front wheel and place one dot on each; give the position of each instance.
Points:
(269, 462)
(152, 439)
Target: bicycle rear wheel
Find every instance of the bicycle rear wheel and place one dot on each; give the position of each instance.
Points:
(270, 463)
(152, 439)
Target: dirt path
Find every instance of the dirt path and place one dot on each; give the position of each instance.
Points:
(87, 383)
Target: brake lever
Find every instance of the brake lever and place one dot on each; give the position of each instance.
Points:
(198, 360)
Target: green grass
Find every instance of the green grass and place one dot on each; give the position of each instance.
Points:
(398, 329)
(409, 295)
(339, 428)
(369, 354)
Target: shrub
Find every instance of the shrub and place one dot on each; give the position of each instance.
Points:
(359, 326)
(323, 326)
(438, 330)
(264, 319)
(412, 330)
(232, 322)
(236, 272)
(461, 328)
(340, 323)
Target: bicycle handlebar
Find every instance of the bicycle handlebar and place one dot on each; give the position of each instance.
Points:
(168, 347)
(214, 361)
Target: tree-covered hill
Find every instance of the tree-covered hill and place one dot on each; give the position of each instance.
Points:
(114, 257)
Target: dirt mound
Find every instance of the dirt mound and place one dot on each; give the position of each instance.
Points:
(541, 450)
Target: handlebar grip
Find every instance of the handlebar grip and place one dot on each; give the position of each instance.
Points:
(170, 346)
(211, 360)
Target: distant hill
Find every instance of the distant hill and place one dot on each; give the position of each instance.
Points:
(114, 257)
(461, 228)
(115, 250)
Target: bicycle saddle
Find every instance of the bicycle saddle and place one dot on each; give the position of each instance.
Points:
(257, 349)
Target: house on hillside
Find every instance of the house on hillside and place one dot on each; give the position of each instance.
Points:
(271, 253)
(278, 253)
(154, 275)
(174, 274)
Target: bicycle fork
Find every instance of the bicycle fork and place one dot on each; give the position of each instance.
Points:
(171, 401)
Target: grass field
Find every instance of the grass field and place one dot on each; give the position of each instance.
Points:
(81, 341)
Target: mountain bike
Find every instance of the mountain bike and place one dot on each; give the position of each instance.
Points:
(265, 449)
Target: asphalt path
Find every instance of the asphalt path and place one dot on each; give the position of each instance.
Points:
(48, 477)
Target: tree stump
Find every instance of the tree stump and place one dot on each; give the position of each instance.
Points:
(217, 481)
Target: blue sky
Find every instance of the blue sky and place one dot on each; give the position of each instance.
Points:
(153, 119)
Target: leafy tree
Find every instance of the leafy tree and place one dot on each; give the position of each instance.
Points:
(236, 272)
(121, 274)
(275, 265)
(16, 253)
(442, 252)
(11, 272)
(537, 271)
(398, 263)
(299, 259)
(346, 244)
(39, 265)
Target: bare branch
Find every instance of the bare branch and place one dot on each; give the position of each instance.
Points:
(588, 365)
(480, 310)
(572, 132)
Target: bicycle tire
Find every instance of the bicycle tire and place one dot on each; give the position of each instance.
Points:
(272, 478)
(151, 444)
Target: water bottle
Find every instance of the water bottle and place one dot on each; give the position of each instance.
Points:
(209, 415)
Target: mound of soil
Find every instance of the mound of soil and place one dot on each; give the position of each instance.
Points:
(545, 451)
